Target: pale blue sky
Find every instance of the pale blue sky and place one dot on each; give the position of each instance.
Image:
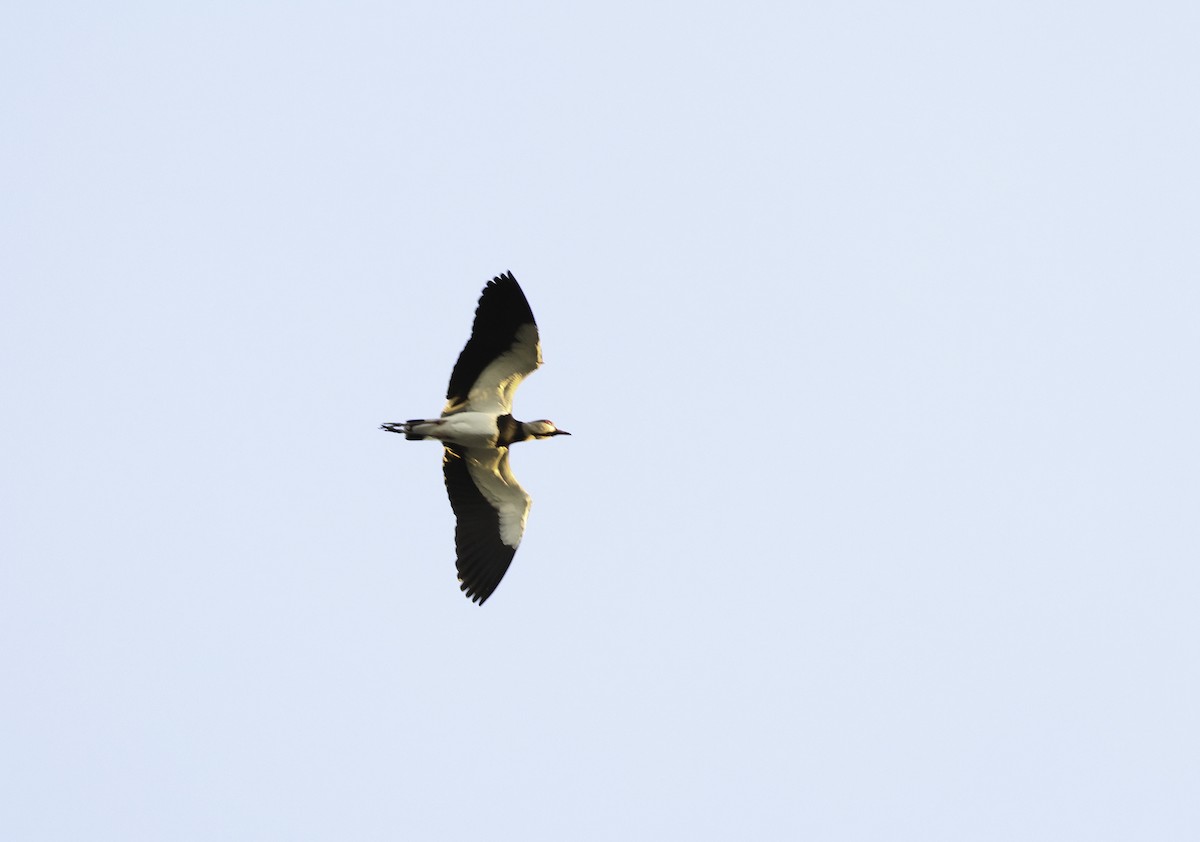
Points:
(876, 328)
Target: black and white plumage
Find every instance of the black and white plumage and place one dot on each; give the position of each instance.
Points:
(477, 428)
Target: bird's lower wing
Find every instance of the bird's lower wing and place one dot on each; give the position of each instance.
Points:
(490, 508)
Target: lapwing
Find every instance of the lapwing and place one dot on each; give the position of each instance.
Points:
(477, 428)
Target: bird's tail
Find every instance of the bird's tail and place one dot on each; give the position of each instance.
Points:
(415, 429)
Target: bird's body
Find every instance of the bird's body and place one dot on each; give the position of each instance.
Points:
(477, 427)
(470, 429)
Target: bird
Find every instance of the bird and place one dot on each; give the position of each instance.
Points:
(476, 429)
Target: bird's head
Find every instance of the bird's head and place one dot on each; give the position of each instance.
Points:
(543, 429)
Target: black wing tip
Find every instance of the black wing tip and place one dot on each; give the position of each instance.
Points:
(505, 284)
(477, 587)
(505, 293)
(479, 578)
(508, 294)
(476, 595)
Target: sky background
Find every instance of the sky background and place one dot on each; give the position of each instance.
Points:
(876, 326)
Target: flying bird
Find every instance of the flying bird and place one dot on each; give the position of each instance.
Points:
(477, 428)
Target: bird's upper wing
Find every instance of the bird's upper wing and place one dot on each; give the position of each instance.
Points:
(502, 350)
(490, 507)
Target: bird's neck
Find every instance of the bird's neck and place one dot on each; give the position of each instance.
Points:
(509, 430)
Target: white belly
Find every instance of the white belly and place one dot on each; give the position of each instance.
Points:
(470, 429)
